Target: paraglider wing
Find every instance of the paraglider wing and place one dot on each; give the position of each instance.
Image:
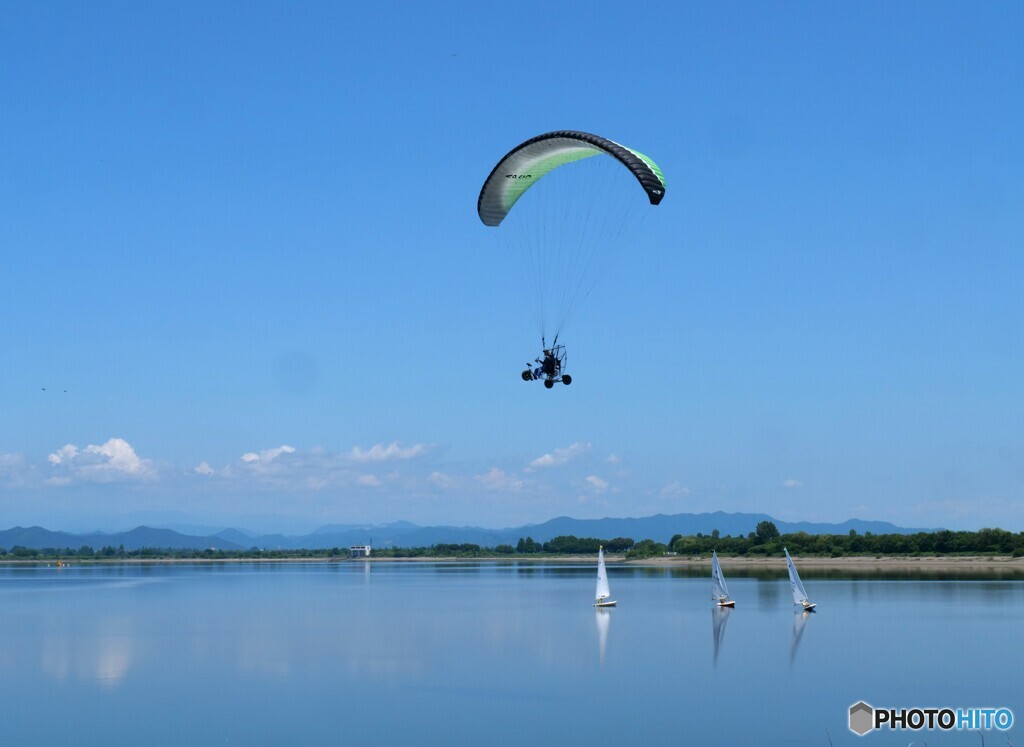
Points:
(530, 161)
(561, 236)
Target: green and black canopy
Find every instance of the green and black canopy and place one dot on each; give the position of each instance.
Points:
(530, 161)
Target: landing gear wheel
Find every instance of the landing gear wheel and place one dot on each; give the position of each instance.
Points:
(548, 383)
(566, 379)
(527, 375)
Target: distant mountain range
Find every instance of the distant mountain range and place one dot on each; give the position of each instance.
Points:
(405, 534)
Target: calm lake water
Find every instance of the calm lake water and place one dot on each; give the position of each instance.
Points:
(490, 654)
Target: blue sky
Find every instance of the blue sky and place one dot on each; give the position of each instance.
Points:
(243, 237)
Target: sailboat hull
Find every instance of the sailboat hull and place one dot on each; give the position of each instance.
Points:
(810, 607)
(605, 604)
(730, 603)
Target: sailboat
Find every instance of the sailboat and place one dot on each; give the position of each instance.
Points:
(719, 591)
(799, 594)
(604, 593)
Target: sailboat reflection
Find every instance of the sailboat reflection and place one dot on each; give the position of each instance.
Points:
(105, 654)
(800, 619)
(604, 619)
(719, 619)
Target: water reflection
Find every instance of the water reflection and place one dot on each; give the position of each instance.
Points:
(604, 619)
(719, 619)
(800, 619)
(104, 656)
(769, 592)
(267, 651)
(900, 570)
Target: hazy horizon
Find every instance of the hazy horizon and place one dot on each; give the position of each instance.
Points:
(188, 524)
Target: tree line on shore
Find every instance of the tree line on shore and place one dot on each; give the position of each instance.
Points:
(764, 541)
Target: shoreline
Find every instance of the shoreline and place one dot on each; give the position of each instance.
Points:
(856, 562)
(866, 563)
(885, 562)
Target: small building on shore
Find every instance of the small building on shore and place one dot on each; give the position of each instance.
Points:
(359, 551)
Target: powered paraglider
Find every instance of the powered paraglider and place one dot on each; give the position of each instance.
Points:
(564, 204)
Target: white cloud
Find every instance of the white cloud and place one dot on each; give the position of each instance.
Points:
(444, 481)
(287, 468)
(596, 483)
(15, 471)
(11, 465)
(791, 483)
(117, 455)
(267, 455)
(674, 489)
(613, 459)
(561, 456)
(63, 455)
(269, 466)
(494, 479)
(382, 453)
(497, 479)
(113, 460)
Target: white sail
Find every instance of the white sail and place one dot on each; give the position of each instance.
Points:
(799, 595)
(603, 591)
(719, 591)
